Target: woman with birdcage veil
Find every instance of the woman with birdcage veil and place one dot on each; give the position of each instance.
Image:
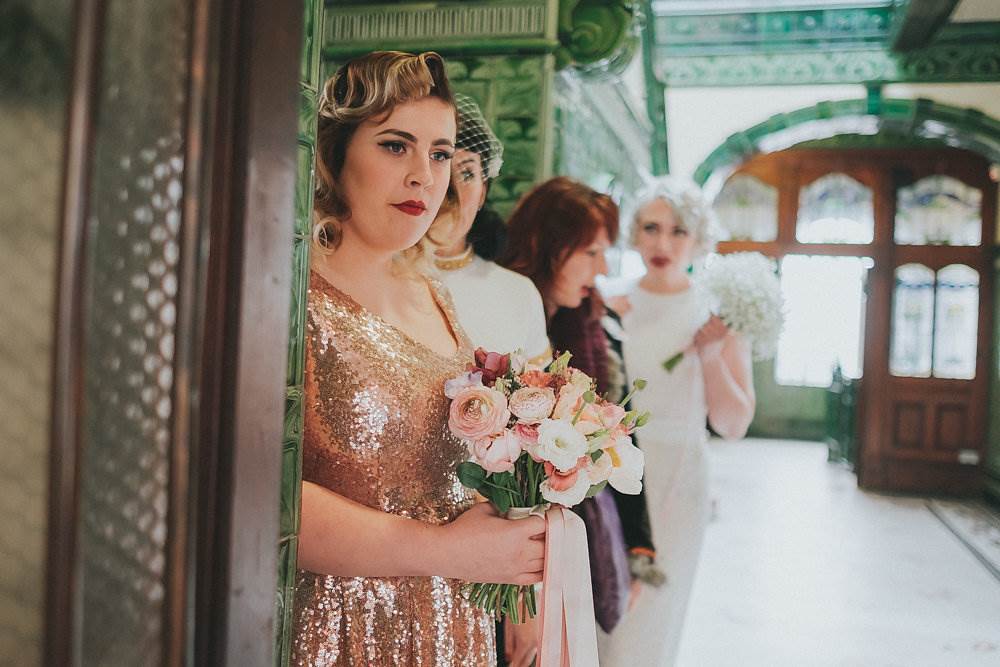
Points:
(707, 377)
(500, 310)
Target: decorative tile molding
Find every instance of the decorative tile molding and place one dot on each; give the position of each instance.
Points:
(685, 34)
(940, 63)
(497, 26)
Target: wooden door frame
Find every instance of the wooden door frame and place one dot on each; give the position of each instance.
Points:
(235, 282)
(786, 170)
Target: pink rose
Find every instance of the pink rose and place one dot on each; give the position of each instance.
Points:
(497, 454)
(532, 404)
(478, 412)
(528, 433)
(570, 399)
(491, 364)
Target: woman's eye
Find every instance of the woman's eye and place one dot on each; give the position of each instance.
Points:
(394, 147)
(680, 231)
(649, 229)
(466, 175)
(441, 156)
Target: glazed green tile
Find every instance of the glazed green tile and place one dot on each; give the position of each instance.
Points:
(517, 99)
(300, 281)
(304, 189)
(456, 69)
(307, 114)
(520, 158)
(307, 59)
(293, 414)
(492, 69)
(291, 475)
(477, 90)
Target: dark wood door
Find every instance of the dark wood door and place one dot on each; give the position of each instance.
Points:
(924, 219)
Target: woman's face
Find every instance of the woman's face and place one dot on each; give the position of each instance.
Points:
(467, 179)
(575, 278)
(396, 172)
(665, 244)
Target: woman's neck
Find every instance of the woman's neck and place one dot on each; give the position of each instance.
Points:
(454, 249)
(665, 283)
(357, 269)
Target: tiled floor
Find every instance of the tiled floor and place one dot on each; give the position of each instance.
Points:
(800, 568)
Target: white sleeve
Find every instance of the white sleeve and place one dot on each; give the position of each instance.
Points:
(536, 338)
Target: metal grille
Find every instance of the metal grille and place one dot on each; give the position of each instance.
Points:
(133, 250)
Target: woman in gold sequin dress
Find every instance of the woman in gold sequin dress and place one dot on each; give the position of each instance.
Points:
(388, 534)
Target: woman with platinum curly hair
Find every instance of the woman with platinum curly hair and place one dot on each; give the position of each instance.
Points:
(664, 314)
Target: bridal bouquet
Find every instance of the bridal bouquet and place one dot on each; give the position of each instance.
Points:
(746, 295)
(536, 436)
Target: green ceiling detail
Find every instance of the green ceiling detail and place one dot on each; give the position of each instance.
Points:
(719, 34)
(920, 120)
(939, 63)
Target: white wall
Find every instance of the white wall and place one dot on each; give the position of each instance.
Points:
(700, 119)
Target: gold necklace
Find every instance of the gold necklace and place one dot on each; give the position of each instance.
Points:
(456, 262)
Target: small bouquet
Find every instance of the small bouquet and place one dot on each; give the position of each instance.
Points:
(538, 436)
(746, 294)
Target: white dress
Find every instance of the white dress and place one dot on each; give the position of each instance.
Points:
(499, 309)
(676, 475)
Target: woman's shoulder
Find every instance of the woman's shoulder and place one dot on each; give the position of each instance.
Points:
(510, 282)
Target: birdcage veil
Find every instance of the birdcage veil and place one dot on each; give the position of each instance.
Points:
(475, 135)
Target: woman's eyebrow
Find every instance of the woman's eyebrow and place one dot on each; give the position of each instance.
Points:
(467, 160)
(398, 133)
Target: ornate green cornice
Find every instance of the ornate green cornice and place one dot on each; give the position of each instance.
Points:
(921, 120)
(938, 63)
(597, 36)
(467, 28)
(689, 34)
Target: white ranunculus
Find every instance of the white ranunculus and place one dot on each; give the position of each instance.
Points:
(559, 443)
(574, 495)
(601, 469)
(626, 476)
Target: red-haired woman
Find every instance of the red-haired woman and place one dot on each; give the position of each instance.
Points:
(557, 237)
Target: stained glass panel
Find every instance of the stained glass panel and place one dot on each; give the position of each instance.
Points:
(956, 322)
(938, 210)
(835, 209)
(912, 321)
(747, 209)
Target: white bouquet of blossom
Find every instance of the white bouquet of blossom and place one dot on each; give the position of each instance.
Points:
(744, 290)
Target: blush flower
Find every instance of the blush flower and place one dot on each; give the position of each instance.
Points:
(535, 379)
(491, 364)
(497, 454)
(566, 488)
(478, 412)
(558, 443)
(532, 404)
(469, 379)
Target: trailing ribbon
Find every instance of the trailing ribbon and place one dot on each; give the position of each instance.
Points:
(568, 635)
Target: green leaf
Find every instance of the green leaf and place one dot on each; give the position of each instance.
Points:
(471, 475)
(502, 500)
(672, 362)
(595, 489)
(642, 420)
(596, 454)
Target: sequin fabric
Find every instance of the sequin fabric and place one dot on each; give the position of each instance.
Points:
(376, 432)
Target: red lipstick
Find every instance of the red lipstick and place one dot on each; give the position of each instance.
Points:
(659, 262)
(412, 207)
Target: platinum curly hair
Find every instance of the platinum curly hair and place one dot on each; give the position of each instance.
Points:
(689, 205)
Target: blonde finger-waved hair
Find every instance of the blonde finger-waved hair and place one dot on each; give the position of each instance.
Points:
(689, 206)
(367, 88)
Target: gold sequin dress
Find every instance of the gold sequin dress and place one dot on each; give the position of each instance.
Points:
(376, 431)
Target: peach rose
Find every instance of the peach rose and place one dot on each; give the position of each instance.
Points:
(478, 412)
(532, 404)
(569, 487)
(497, 454)
(535, 379)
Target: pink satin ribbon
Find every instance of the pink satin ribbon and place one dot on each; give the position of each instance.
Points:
(568, 634)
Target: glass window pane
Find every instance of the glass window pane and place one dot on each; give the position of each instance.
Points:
(835, 209)
(957, 322)
(747, 209)
(912, 321)
(938, 210)
(824, 318)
